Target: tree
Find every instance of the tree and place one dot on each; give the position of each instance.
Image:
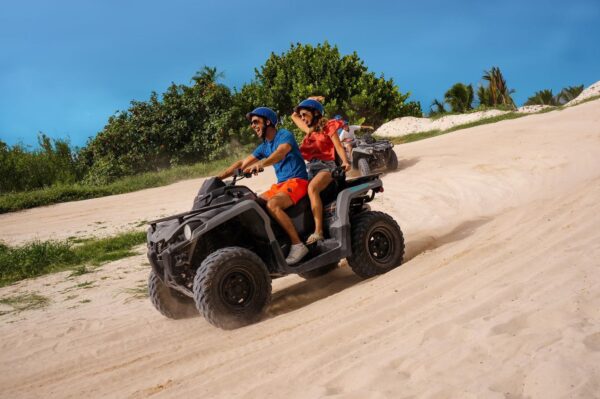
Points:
(542, 97)
(568, 94)
(439, 107)
(190, 124)
(497, 91)
(459, 97)
(349, 88)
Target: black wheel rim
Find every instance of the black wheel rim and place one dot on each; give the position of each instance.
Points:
(237, 289)
(381, 245)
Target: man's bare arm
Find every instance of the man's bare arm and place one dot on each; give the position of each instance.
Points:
(275, 157)
(241, 164)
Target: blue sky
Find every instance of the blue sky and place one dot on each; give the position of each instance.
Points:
(66, 66)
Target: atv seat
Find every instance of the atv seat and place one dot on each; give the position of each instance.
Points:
(301, 213)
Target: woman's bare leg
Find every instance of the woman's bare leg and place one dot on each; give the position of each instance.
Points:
(316, 185)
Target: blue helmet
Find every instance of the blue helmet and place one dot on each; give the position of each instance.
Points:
(313, 105)
(338, 117)
(264, 112)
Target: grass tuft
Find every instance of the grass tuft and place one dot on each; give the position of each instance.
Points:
(138, 292)
(42, 257)
(22, 302)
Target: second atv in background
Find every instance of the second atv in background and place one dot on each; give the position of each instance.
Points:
(369, 154)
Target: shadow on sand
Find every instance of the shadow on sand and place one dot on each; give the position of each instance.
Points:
(428, 243)
(306, 292)
(402, 165)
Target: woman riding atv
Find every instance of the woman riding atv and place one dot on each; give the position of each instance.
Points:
(318, 148)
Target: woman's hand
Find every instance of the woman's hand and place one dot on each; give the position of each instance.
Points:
(346, 166)
(317, 98)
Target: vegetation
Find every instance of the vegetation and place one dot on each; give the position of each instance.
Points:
(545, 97)
(437, 108)
(70, 192)
(345, 82)
(195, 123)
(22, 302)
(459, 97)
(54, 162)
(542, 97)
(569, 93)
(189, 124)
(497, 92)
(42, 257)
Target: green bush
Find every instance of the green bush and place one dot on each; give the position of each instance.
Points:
(190, 124)
(345, 82)
(54, 162)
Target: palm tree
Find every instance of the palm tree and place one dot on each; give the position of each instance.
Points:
(542, 97)
(439, 107)
(498, 92)
(569, 93)
(459, 97)
(483, 95)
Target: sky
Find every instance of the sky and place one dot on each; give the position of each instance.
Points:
(67, 66)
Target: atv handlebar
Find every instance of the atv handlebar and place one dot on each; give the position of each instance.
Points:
(239, 174)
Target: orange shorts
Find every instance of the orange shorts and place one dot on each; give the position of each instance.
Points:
(295, 189)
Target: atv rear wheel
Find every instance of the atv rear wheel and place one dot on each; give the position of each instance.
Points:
(392, 161)
(321, 271)
(169, 302)
(232, 287)
(377, 244)
(363, 167)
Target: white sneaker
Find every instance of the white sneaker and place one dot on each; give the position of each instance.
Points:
(297, 252)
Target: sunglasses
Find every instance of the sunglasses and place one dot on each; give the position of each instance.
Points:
(305, 114)
(255, 122)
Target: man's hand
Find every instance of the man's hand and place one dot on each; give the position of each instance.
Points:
(346, 166)
(254, 169)
(317, 98)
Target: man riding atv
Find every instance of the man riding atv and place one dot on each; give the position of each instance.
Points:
(280, 149)
(219, 258)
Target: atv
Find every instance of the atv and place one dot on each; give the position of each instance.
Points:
(219, 258)
(369, 154)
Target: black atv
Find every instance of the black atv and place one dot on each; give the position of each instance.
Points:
(370, 154)
(219, 258)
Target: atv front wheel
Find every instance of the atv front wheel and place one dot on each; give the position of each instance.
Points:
(377, 244)
(321, 271)
(392, 161)
(363, 167)
(232, 288)
(169, 302)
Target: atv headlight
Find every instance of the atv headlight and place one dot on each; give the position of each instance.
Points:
(187, 232)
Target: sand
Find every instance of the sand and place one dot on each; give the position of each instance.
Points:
(499, 296)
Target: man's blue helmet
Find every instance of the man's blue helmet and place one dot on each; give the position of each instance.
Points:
(264, 112)
(313, 105)
(338, 117)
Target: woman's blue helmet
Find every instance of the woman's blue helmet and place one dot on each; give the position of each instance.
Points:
(264, 112)
(313, 105)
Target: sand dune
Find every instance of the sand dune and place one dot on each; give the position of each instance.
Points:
(499, 296)
(409, 124)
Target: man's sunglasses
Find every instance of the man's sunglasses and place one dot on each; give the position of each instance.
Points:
(305, 114)
(255, 122)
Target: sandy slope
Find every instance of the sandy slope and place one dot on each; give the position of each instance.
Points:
(499, 297)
